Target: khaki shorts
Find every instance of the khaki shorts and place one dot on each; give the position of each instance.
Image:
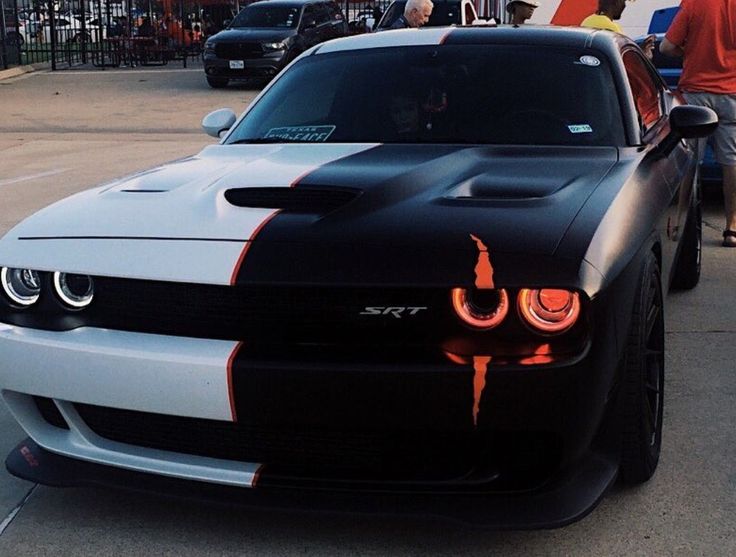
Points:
(724, 138)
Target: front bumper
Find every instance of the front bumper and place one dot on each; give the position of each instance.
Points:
(267, 65)
(569, 499)
(131, 403)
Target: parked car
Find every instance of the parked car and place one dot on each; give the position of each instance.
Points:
(266, 36)
(421, 290)
(444, 12)
(671, 69)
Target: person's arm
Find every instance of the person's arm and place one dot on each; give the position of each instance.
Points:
(670, 49)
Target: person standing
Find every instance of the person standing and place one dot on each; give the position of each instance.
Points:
(416, 13)
(521, 10)
(608, 13)
(704, 33)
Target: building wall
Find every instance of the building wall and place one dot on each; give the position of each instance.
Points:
(635, 19)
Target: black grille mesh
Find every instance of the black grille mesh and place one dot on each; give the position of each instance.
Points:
(292, 448)
(238, 51)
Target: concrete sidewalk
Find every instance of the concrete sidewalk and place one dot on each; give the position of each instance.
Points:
(20, 70)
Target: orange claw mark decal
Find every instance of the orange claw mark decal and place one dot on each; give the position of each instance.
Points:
(542, 355)
(483, 269)
(480, 364)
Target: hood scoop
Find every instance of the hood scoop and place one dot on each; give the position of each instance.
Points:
(298, 200)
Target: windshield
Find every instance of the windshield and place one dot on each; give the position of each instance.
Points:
(448, 94)
(263, 15)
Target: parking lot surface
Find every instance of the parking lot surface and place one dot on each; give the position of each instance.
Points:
(66, 131)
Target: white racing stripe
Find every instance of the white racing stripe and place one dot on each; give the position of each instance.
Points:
(168, 223)
(32, 177)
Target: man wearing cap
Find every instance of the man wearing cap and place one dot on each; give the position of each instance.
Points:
(521, 10)
(416, 13)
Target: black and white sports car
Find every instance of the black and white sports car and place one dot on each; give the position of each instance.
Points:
(423, 272)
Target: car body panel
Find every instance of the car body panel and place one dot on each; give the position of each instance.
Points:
(307, 294)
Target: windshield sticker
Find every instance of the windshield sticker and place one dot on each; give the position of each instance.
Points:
(580, 128)
(314, 134)
(590, 61)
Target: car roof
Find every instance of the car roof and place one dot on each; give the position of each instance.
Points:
(542, 35)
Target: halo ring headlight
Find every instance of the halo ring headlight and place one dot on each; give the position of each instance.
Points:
(76, 291)
(480, 316)
(21, 286)
(549, 310)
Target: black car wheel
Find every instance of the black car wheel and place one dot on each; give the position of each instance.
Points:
(217, 82)
(687, 268)
(643, 381)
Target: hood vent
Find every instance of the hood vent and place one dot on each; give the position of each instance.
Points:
(298, 200)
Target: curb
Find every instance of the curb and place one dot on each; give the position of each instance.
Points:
(20, 70)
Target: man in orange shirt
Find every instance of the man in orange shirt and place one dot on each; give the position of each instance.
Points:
(704, 32)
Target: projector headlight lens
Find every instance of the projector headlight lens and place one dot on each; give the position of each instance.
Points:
(75, 291)
(22, 286)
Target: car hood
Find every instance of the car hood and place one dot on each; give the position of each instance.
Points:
(246, 34)
(313, 207)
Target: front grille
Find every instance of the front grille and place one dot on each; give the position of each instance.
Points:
(272, 313)
(288, 448)
(50, 412)
(238, 51)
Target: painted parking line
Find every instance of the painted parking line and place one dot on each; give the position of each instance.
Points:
(32, 176)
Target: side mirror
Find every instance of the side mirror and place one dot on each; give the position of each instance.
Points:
(688, 122)
(227, 23)
(693, 121)
(218, 122)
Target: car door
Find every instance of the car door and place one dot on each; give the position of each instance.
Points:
(308, 26)
(668, 174)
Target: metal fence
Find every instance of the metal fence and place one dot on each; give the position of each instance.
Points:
(65, 33)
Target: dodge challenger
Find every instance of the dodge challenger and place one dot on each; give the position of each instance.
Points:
(423, 272)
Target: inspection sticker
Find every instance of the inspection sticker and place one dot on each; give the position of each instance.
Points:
(580, 128)
(301, 133)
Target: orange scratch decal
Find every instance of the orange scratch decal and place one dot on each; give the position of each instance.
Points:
(230, 394)
(483, 269)
(480, 364)
(542, 355)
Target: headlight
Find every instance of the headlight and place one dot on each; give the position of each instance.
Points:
(22, 286)
(549, 310)
(75, 291)
(274, 46)
(481, 309)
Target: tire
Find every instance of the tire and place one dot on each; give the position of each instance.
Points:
(643, 381)
(687, 266)
(217, 82)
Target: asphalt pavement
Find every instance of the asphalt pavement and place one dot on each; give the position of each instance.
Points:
(66, 131)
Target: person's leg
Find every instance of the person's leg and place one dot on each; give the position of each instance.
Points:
(729, 202)
(724, 140)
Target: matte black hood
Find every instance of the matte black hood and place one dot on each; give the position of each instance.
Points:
(414, 208)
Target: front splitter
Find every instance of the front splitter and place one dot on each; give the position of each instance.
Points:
(567, 500)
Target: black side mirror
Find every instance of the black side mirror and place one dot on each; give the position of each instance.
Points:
(693, 121)
(227, 23)
(688, 122)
